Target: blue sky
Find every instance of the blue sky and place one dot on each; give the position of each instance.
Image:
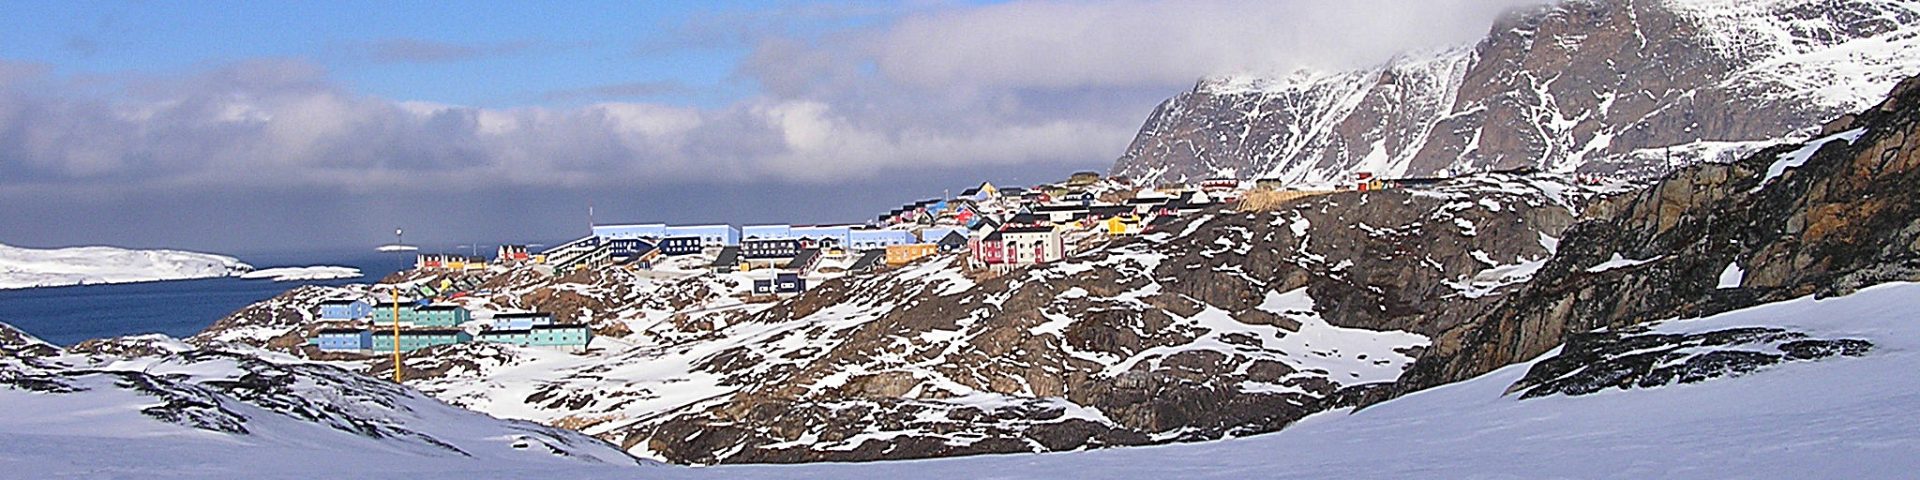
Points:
(233, 126)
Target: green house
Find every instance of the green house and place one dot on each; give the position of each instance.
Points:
(411, 340)
(434, 315)
(564, 335)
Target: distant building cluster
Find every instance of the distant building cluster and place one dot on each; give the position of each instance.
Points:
(422, 325)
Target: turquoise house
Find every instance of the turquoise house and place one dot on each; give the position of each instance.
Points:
(432, 316)
(411, 340)
(564, 335)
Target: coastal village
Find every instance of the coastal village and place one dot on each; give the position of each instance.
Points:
(995, 229)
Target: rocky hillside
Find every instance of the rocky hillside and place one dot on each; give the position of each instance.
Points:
(1822, 218)
(155, 389)
(1606, 86)
(1223, 323)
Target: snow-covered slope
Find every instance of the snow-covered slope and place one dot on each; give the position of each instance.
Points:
(27, 268)
(1839, 417)
(142, 407)
(288, 274)
(1606, 86)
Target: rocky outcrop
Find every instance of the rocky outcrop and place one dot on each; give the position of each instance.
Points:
(1823, 218)
(1635, 358)
(1611, 86)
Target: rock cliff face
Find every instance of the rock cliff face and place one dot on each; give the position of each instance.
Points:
(1609, 86)
(1822, 218)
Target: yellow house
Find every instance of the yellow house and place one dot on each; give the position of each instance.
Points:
(455, 262)
(1127, 225)
(903, 254)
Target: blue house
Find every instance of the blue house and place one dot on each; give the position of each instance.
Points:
(343, 339)
(872, 239)
(781, 283)
(823, 236)
(709, 235)
(521, 321)
(645, 230)
(345, 309)
(769, 248)
(629, 247)
(680, 246)
(766, 232)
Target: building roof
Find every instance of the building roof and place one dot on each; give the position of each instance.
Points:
(439, 307)
(560, 326)
(342, 302)
(1027, 230)
(523, 315)
(504, 332)
(432, 331)
(953, 237)
(729, 256)
(342, 331)
(868, 260)
(1060, 208)
(804, 258)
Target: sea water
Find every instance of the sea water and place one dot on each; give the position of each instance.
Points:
(180, 308)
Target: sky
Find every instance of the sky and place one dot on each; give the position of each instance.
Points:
(236, 126)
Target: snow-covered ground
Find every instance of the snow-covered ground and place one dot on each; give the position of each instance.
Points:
(289, 274)
(1846, 417)
(29, 268)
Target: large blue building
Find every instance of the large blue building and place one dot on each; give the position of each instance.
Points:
(343, 340)
(823, 235)
(521, 321)
(635, 231)
(709, 235)
(873, 239)
(345, 309)
(766, 232)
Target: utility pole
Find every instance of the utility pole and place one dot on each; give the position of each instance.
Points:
(396, 333)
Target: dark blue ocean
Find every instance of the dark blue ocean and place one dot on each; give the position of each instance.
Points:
(68, 315)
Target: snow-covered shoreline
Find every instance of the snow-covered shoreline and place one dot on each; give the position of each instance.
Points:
(58, 267)
(291, 274)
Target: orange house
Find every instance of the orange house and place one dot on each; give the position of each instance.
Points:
(904, 254)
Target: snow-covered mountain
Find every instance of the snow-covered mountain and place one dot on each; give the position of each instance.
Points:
(28, 267)
(1606, 86)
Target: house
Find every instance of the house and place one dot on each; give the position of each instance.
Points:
(903, 254)
(454, 262)
(877, 239)
(1059, 213)
(727, 261)
(782, 283)
(476, 263)
(430, 316)
(646, 230)
(766, 232)
(585, 252)
(510, 254)
(411, 340)
(757, 249)
(345, 309)
(953, 241)
(551, 335)
(1219, 185)
(675, 246)
(343, 339)
(823, 236)
(709, 235)
(1273, 184)
(520, 320)
(868, 262)
(1123, 225)
(430, 261)
(805, 260)
(1016, 246)
(631, 249)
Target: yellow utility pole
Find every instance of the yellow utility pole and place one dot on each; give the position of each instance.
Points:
(396, 333)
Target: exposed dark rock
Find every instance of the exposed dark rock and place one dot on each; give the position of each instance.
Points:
(1634, 358)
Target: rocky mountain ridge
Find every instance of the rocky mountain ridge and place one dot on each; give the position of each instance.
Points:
(1620, 87)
